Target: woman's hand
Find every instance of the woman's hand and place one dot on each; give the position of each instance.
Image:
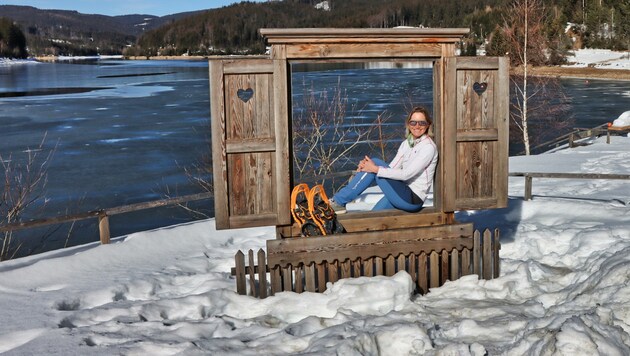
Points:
(367, 165)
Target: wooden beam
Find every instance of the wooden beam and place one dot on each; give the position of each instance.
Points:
(365, 245)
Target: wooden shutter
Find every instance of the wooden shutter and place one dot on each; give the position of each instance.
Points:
(476, 118)
(249, 142)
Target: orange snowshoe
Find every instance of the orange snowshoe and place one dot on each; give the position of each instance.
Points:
(323, 214)
(301, 213)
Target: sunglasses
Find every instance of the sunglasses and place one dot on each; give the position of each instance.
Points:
(421, 123)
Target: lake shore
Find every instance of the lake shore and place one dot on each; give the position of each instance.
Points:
(576, 72)
(588, 72)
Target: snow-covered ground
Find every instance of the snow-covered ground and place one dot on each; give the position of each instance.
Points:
(564, 287)
(599, 58)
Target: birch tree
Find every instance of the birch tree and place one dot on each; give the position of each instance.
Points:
(523, 29)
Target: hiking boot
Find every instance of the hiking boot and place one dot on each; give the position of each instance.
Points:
(339, 209)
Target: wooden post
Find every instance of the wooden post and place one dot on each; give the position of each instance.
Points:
(496, 245)
(477, 253)
(103, 228)
(252, 273)
(262, 273)
(571, 140)
(528, 187)
(487, 254)
(241, 286)
(423, 283)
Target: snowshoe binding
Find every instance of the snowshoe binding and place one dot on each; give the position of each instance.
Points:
(322, 212)
(301, 213)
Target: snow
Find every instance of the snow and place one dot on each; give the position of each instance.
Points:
(622, 120)
(599, 58)
(564, 286)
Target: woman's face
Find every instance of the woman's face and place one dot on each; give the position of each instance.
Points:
(417, 125)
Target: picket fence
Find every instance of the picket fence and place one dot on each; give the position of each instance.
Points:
(430, 263)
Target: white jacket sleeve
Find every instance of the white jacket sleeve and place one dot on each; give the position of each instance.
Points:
(419, 159)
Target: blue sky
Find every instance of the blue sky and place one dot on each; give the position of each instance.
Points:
(124, 7)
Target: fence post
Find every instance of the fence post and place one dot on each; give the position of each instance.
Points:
(528, 187)
(571, 140)
(103, 228)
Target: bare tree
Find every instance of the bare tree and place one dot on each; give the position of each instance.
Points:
(24, 183)
(523, 27)
(323, 136)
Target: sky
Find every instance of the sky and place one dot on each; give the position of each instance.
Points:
(564, 287)
(124, 7)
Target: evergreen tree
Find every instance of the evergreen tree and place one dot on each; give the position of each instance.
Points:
(12, 40)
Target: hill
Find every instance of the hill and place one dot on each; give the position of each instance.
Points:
(234, 29)
(61, 32)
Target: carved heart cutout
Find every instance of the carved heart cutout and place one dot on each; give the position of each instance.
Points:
(479, 88)
(245, 95)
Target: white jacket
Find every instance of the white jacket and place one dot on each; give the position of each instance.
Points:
(414, 165)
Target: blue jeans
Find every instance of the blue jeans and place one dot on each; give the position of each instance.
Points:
(397, 194)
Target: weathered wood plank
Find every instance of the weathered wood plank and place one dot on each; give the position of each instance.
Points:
(434, 269)
(487, 254)
(262, 273)
(276, 280)
(356, 221)
(310, 276)
(366, 245)
(299, 35)
(445, 266)
(448, 155)
(502, 118)
(247, 66)
(346, 268)
(219, 163)
(393, 219)
(282, 159)
(287, 280)
(356, 268)
(454, 265)
(473, 63)
(423, 275)
(378, 266)
(237, 222)
(321, 277)
(333, 271)
(477, 253)
(252, 274)
(298, 280)
(241, 283)
(264, 144)
(401, 262)
(368, 267)
(363, 50)
(496, 246)
(412, 267)
(466, 268)
(103, 229)
(390, 266)
(487, 134)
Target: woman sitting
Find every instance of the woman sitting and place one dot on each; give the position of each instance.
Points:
(406, 181)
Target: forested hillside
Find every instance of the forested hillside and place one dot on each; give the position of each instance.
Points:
(234, 29)
(61, 32)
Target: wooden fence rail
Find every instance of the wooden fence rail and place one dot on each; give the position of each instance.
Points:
(530, 175)
(430, 263)
(104, 214)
